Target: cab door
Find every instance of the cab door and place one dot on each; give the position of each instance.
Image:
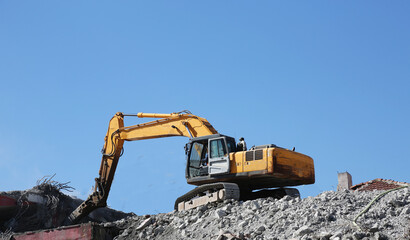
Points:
(218, 156)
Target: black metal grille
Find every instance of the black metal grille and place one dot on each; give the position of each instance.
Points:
(249, 156)
(258, 154)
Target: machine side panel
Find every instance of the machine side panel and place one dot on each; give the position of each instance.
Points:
(255, 160)
(236, 162)
(293, 166)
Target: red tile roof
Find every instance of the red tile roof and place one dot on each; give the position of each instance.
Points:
(378, 184)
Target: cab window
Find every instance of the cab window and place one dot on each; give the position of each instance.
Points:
(196, 153)
(231, 145)
(197, 159)
(218, 148)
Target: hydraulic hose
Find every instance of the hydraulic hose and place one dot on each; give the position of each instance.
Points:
(372, 202)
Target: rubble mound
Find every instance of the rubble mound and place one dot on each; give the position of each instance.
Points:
(45, 206)
(329, 215)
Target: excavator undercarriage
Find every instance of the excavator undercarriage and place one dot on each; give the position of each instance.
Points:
(218, 192)
(208, 193)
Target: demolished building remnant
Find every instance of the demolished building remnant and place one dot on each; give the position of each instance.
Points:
(378, 184)
(86, 231)
(8, 206)
(344, 181)
(45, 207)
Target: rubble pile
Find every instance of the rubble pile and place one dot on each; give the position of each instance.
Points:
(329, 215)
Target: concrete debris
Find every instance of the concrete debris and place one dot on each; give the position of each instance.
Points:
(219, 213)
(226, 235)
(144, 224)
(327, 216)
(302, 231)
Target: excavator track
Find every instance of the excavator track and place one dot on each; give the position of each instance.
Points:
(277, 193)
(207, 193)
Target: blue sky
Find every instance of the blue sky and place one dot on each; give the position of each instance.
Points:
(329, 78)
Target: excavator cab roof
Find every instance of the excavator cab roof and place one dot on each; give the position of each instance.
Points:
(196, 139)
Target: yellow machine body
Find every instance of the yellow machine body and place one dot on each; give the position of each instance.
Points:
(265, 168)
(276, 162)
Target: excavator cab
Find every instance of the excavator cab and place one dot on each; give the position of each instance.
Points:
(209, 155)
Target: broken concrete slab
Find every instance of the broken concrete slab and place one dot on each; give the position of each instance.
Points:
(44, 207)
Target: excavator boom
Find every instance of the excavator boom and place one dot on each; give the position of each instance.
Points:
(168, 125)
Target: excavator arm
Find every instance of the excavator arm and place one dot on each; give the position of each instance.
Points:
(168, 125)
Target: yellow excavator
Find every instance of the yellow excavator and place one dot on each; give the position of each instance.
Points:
(215, 164)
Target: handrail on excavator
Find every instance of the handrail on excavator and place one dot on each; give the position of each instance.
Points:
(157, 115)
